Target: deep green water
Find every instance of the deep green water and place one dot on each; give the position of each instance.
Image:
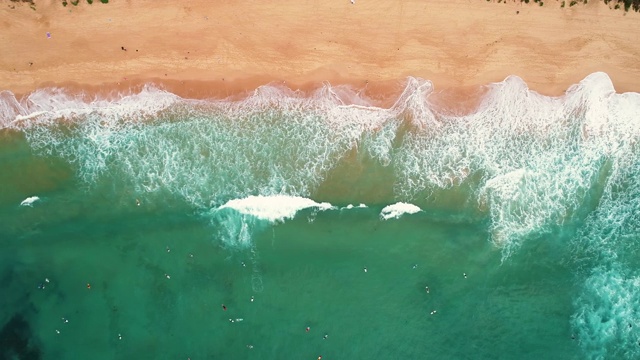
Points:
(527, 238)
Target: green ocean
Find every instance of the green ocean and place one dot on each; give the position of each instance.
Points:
(318, 226)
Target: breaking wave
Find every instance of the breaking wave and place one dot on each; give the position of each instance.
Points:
(526, 162)
(398, 209)
(531, 161)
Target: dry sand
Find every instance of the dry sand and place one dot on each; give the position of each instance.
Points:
(216, 48)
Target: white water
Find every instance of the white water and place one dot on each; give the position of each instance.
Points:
(273, 208)
(532, 162)
(396, 210)
(607, 321)
(536, 156)
(29, 201)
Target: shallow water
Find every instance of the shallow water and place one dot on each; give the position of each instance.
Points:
(526, 233)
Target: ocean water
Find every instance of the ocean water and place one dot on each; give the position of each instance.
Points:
(299, 226)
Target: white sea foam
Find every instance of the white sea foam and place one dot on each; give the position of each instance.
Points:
(396, 210)
(273, 208)
(238, 220)
(532, 162)
(351, 206)
(46, 106)
(605, 249)
(531, 159)
(29, 201)
(606, 322)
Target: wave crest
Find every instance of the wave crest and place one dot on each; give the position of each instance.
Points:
(531, 161)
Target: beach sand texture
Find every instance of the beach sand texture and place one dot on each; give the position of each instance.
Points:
(237, 46)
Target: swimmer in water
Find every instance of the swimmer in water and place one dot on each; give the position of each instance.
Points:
(427, 289)
(307, 329)
(224, 307)
(415, 266)
(252, 299)
(325, 336)
(365, 269)
(137, 202)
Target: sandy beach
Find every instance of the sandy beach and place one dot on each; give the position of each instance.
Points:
(217, 48)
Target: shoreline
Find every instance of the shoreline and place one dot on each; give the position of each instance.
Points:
(452, 101)
(214, 49)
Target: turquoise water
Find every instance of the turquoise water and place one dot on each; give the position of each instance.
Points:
(126, 225)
